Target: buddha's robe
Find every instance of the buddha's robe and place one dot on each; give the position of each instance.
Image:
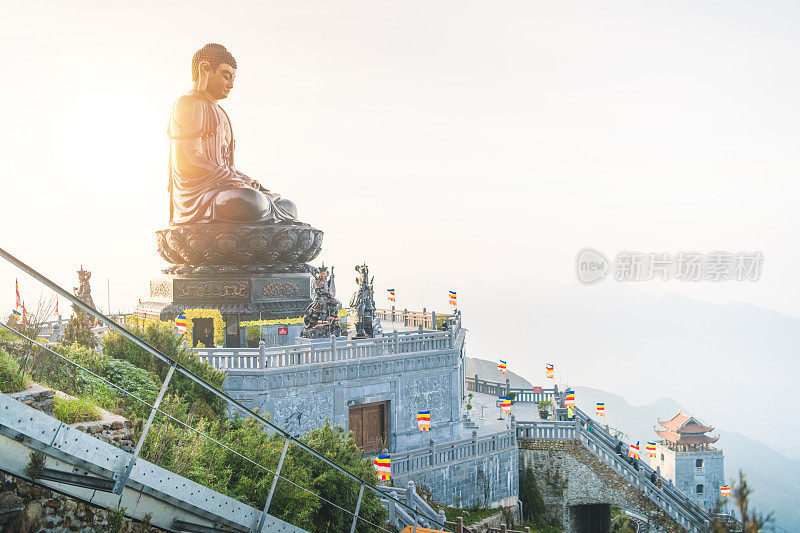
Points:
(201, 167)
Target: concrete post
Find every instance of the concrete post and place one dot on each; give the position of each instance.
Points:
(333, 348)
(405, 317)
(503, 528)
(476, 383)
(396, 342)
(433, 319)
(474, 443)
(262, 354)
(508, 386)
(411, 495)
(432, 452)
(441, 516)
(459, 525)
(391, 513)
(452, 336)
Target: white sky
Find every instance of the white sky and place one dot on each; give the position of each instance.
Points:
(444, 140)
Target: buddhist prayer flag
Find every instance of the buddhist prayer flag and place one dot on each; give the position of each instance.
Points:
(383, 466)
(505, 404)
(502, 366)
(550, 371)
(56, 306)
(453, 297)
(24, 314)
(180, 323)
(651, 449)
(98, 323)
(19, 300)
(600, 410)
(570, 412)
(424, 420)
(725, 490)
(634, 450)
(569, 400)
(391, 294)
(17, 314)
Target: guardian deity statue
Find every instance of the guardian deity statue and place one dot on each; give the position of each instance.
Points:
(362, 305)
(83, 291)
(322, 315)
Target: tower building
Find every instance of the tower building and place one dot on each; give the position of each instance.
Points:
(687, 458)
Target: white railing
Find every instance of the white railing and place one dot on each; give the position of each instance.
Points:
(546, 430)
(436, 455)
(326, 351)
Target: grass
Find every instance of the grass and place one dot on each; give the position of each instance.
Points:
(11, 379)
(73, 410)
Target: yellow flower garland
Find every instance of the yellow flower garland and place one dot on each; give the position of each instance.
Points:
(219, 323)
(282, 321)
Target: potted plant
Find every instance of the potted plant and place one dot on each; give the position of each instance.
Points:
(544, 409)
(253, 336)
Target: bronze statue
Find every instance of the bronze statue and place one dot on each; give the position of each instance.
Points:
(84, 291)
(362, 305)
(204, 185)
(322, 315)
(222, 220)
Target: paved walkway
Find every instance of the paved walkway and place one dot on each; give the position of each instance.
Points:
(486, 415)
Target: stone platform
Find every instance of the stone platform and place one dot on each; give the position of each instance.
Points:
(247, 295)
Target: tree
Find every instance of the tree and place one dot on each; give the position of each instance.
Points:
(531, 497)
(752, 521)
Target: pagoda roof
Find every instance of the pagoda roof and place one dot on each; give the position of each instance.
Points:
(685, 439)
(683, 423)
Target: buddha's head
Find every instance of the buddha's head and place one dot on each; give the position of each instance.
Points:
(213, 71)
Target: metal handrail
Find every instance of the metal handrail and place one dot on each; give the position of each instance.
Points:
(199, 381)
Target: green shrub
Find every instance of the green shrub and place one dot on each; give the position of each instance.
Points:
(73, 410)
(36, 462)
(11, 379)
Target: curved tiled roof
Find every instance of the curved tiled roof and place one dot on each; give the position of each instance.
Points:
(680, 438)
(683, 423)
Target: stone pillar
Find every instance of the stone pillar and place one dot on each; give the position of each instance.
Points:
(508, 386)
(476, 383)
(262, 354)
(405, 317)
(391, 512)
(433, 319)
(411, 493)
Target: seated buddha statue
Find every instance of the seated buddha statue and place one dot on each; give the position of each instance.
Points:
(204, 185)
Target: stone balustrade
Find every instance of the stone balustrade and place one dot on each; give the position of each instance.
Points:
(327, 350)
(412, 319)
(495, 388)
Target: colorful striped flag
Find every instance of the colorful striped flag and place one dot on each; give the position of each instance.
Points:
(180, 323)
(24, 314)
(725, 490)
(424, 420)
(391, 294)
(650, 449)
(505, 404)
(383, 466)
(600, 410)
(19, 300)
(570, 412)
(453, 297)
(56, 306)
(17, 314)
(502, 366)
(634, 450)
(98, 323)
(569, 400)
(550, 371)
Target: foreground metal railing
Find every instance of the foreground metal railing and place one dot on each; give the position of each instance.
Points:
(121, 477)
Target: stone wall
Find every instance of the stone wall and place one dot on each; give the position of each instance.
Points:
(27, 507)
(491, 480)
(300, 398)
(110, 428)
(569, 476)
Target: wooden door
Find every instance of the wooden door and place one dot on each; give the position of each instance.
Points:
(370, 425)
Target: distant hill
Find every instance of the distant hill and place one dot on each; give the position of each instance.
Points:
(488, 370)
(775, 478)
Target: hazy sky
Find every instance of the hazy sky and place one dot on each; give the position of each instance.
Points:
(452, 141)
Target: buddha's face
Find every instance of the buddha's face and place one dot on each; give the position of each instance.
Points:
(220, 81)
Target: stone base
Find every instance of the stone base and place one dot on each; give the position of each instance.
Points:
(250, 296)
